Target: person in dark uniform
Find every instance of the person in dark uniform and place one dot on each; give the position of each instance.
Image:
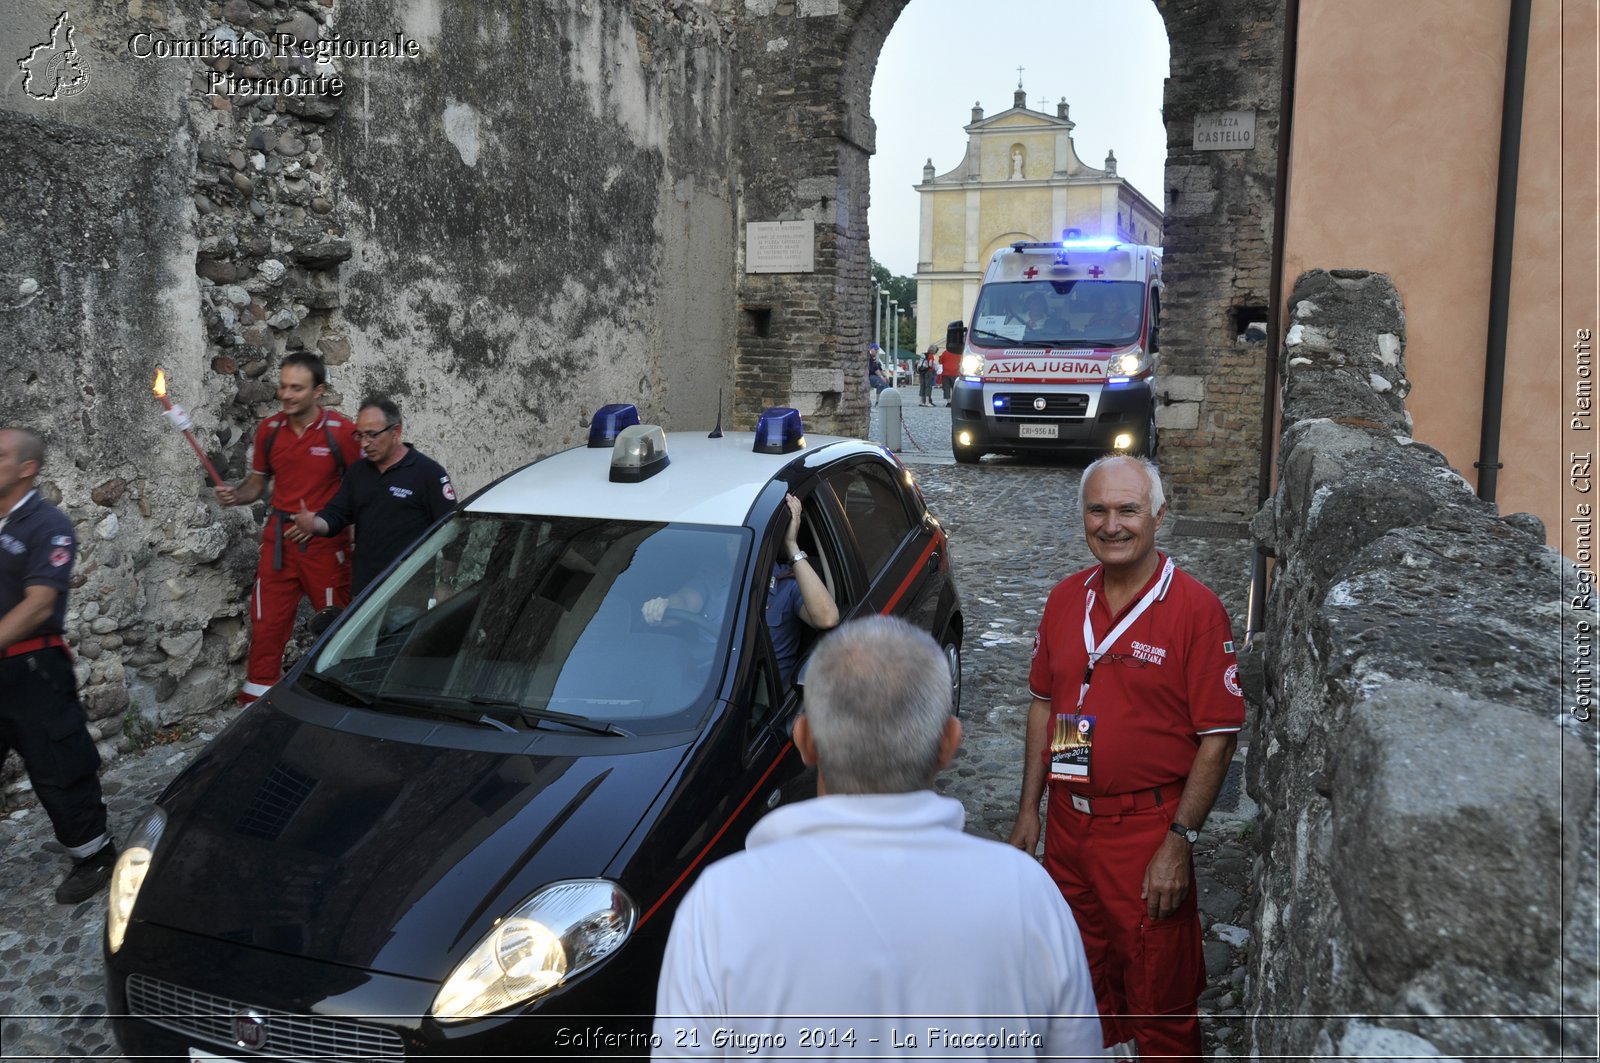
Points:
(40, 715)
(392, 497)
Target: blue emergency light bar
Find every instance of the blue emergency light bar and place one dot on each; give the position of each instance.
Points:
(609, 421)
(1090, 243)
(779, 431)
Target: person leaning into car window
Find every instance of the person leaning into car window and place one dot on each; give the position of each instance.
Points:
(796, 596)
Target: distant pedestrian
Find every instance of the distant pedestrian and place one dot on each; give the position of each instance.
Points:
(392, 496)
(875, 378)
(925, 372)
(949, 369)
(40, 715)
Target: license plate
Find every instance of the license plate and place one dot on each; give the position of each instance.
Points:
(1040, 431)
(197, 1056)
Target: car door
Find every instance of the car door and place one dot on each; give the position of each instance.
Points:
(898, 550)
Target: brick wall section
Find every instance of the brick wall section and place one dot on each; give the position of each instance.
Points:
(1226, 56)
(807, 137)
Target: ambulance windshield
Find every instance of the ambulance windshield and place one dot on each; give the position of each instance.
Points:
(1058, 313)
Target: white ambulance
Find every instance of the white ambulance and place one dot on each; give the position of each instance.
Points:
(1061, 351)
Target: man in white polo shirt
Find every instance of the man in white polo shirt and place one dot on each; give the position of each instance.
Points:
(864, 922)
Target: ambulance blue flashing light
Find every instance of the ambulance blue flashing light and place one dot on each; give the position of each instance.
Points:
(609, 421)
(779, 431)
(640, 452)
(1090, 243)
(1118, 380)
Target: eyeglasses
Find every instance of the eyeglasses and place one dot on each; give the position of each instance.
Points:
(362, 437)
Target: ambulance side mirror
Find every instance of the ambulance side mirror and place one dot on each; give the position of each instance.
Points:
(955, 337)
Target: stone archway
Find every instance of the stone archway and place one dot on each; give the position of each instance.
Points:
(808, 135)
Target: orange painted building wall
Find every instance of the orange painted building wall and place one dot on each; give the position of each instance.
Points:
(1394, 163)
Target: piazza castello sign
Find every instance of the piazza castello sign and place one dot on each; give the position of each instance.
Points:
(1225, 131)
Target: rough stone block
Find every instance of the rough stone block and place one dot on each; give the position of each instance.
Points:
(1183, 388)
(1448, 827)
(1179, 416)
(814, 380)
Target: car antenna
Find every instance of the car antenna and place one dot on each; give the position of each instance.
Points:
(716, 433)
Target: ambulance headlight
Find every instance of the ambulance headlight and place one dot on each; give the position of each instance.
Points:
(972, 365)
(565, 928)
(127, 877)
(1129, 364)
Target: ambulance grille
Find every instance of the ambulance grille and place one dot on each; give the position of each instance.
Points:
(1022, 405)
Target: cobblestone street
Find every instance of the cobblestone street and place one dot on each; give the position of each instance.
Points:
(1012, 537)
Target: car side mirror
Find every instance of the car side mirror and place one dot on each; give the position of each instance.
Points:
(955, 337)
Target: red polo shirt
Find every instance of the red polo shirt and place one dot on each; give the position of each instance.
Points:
(1167, 680)
(302, 466)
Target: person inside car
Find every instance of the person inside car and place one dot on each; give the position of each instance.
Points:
(797, 598)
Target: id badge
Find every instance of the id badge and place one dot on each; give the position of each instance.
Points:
(1071, 743)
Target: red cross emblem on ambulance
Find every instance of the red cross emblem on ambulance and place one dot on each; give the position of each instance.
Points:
(1030, 273)
(1096, 271)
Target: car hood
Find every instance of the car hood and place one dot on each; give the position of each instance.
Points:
(383, 854)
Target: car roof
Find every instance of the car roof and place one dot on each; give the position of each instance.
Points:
(708, 481)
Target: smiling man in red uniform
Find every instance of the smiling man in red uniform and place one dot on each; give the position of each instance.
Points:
(1134, 719)
(303, 450)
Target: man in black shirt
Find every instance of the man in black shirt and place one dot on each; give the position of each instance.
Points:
(392, 497)
(40, 715)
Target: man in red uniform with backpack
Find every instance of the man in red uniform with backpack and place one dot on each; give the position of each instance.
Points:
(1135, 712)
(303, 451)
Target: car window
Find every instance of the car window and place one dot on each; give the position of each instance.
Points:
(875, 510)
(548, 613)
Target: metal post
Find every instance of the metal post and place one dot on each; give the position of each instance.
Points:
(893, 338)
(889, 409)
(875, 293)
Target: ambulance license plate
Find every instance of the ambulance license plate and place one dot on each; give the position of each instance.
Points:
(1040, 431)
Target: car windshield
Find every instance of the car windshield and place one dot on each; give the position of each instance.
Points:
(540, 621)
(1059, 314)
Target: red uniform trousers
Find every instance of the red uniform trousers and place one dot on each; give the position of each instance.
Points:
(1147, 974)
(320, 571)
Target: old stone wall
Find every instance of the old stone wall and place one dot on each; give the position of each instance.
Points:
(1218, 221)
(1425, 777)
(529, 217)
(806, 67)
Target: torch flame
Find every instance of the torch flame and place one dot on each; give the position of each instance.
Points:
(160, 386)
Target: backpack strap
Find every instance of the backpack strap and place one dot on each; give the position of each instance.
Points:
(333, 447)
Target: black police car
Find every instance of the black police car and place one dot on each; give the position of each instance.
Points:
(462, 824)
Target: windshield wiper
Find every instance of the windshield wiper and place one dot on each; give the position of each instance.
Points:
(361, 696)
(447, 704)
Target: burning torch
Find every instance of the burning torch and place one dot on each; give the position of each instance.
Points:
(180, 420)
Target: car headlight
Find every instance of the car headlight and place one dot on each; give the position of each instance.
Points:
(972, 365)
(133, 863)
(565, 928)
(1129, 364)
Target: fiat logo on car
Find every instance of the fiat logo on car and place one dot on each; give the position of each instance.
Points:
(250, 1029)
(1038, 403)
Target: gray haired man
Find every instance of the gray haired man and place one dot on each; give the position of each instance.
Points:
(894, 930)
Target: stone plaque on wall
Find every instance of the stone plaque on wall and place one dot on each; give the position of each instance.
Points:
(1225, 131)
(779, 247)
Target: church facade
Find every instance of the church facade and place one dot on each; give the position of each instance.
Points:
(1021, 179)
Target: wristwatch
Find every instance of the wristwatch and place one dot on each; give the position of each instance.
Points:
(1188, 834)
(799, 555)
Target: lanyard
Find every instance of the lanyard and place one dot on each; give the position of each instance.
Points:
(1157, 590)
